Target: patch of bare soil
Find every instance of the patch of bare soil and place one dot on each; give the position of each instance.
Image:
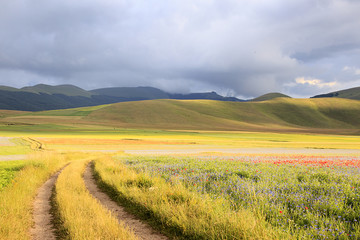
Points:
(43, 228)
(141, 229)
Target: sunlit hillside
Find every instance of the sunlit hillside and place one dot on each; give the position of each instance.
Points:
(280, 114)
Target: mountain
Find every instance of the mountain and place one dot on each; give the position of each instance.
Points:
(351, 93)
(207, 95)
(45, 97)
(67, 90)
(28, 101)
(270, 96)
(150, 93)
(137, 93)
(11, 89)
(280, 115)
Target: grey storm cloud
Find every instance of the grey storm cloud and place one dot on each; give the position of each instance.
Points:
(241, 48)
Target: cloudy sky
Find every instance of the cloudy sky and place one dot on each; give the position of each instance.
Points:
(235, 47)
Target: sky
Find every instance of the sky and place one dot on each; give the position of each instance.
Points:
(237, 48)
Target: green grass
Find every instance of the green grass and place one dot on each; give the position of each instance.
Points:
(8, 171)
(83, 111)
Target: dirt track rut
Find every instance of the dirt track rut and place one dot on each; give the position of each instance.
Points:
(142, 230)
(43, 228)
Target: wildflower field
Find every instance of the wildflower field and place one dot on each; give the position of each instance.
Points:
(192, 189)
(311, 197)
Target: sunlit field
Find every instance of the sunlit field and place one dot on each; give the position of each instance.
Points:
(91, 138)
(306, 196)
(188, 184)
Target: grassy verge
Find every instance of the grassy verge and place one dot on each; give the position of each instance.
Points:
(176, 210)
(81, 216)
(8, 170)
(16, 199)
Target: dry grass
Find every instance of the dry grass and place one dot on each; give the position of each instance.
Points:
(82, 216)
(105, 141)
(181, 212)
(16, 199)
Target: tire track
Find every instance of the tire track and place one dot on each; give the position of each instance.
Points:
(35, 144)
(43, 228)
(142, 230)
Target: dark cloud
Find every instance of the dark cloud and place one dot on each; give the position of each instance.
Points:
(326, 52)
(245, 48)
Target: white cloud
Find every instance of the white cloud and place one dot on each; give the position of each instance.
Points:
(314, 82)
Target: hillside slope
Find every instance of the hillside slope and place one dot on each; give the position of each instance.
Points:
(351, 93)
(320, 115)
(207, 114)
(269, 96)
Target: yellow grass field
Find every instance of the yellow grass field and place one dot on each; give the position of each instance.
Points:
(173, 209)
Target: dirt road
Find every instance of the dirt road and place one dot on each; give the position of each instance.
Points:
(141, 229)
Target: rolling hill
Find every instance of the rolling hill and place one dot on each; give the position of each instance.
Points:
(67, 90)
(269, 96)
(351, 93)
(280, 114)
(192, 114)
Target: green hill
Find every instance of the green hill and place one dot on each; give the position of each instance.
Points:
(352, 93)
(269, 96)
(219, 115)
(10, 89)
(324, 115)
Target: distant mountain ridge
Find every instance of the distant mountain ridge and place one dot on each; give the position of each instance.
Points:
(66, 89)
(140, 93)
(46, 97)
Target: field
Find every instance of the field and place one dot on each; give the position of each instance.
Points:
(308, 196)
(288, 183)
